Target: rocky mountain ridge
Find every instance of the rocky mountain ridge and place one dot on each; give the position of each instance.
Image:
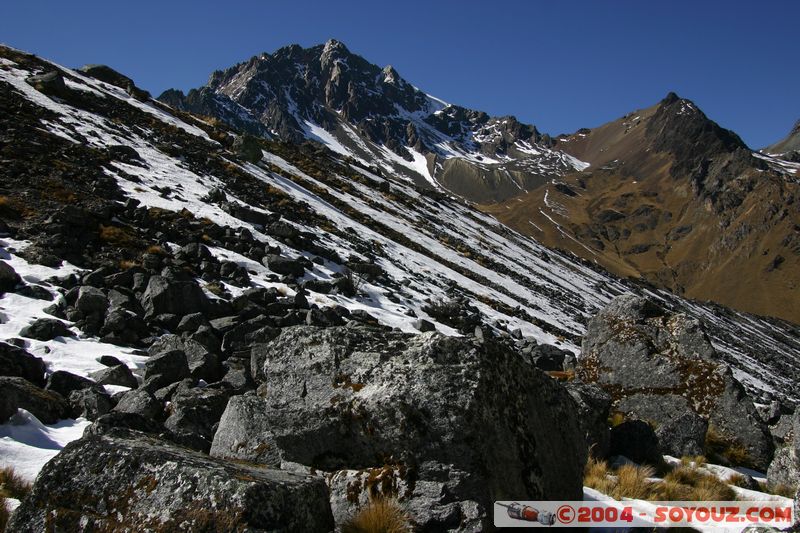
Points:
(327, 93)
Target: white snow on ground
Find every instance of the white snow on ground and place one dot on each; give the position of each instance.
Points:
(26, 444)
(781, 165)
(721, 472)
(77, 355)
(323, 136)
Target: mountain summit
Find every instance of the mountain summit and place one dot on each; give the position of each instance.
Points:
(673, 197)
(328, 94)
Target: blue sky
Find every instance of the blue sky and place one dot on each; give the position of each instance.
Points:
(559, 65)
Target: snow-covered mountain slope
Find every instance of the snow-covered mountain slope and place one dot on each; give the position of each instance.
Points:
(406, 246)
(357, 109)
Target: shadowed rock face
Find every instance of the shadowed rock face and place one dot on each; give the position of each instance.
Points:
(472, 417)
(125, 481)
(659, 366)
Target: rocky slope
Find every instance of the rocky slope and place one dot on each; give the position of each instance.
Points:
(177, 282)
(675, 199)
(328, 94)
(787, 147)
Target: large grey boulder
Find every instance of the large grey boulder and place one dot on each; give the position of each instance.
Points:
(115, 375)
(683, 436)
(91, 300)
(658, 366)
(165, 368)
(194, 413)
(164, 296)
(140, 402)
(202, 362)
(473, 417)
(127, 481)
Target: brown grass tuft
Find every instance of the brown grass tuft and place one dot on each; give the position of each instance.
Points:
(117, 236)
(12, 485)
(686, 482)
(156, 250)
(632, 482)
(778, 489)
(722, 446)
(381, 515)
(710, 488)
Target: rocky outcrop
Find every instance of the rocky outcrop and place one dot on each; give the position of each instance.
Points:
(659, 366)
(472, 418)
(18, 393)
(15, 361)
(126, 481)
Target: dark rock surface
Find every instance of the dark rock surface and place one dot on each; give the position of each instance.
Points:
(637, 441)
(18, 393)
(594, 405)
(45, 329)
(127, 481)
(9, 278)
(15, 361)
(441, 408)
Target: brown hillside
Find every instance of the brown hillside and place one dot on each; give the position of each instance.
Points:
(673, 198)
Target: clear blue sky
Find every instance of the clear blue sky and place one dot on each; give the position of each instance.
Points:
(559, 65)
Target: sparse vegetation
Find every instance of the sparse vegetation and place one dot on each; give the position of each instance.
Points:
(381, 515)
(616, 418)
(633, 482)
(12, 485)
(721, 447)
(778, 489)
(116, 236)
(686, 482)
(216, 289)
(156, 250)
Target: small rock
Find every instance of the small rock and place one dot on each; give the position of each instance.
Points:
(117, 375)
(64, 383)
(423, 325)
(19, 393)
(46, 329)
(140, 402)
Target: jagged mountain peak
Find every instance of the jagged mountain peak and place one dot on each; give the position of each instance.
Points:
(329, 94)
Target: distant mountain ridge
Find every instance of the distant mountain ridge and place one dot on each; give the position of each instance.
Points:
(328, 94)
(672, 197)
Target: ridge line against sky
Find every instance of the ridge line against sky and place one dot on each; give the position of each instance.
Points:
(560, 67)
